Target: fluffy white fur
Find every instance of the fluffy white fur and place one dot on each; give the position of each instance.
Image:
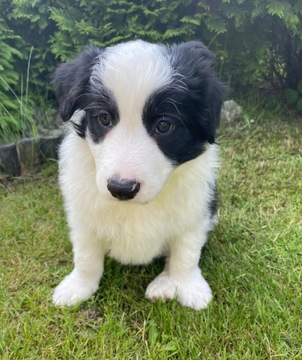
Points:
(170, 214)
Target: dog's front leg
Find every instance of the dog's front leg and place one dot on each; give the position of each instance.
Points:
(83, 281)
(182, 277)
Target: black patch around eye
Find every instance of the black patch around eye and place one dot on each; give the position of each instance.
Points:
(185, 141)
(95, 103)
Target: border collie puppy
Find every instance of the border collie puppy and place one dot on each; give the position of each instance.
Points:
(137, 166)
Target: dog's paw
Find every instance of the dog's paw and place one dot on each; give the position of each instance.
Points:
(192, 291)
(73, 290)
(195, 294)
(161, 288)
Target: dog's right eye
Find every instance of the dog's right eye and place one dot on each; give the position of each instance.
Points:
(163, 126)
(105, 119)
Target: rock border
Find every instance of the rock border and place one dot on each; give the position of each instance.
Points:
(28, 154)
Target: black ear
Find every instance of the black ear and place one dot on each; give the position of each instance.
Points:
(71, 81)
(194, 62)
(189, 56)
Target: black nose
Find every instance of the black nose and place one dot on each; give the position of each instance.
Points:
(123, 189)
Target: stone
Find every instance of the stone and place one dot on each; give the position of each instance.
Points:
(49, 146)
(9, 160)
(29, 153)
(231, 111)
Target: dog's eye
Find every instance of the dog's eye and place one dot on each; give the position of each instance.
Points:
(163, 126)
(105, 119)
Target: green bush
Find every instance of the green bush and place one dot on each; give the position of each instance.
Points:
(24, 65)
(294, 97)
(258, 43)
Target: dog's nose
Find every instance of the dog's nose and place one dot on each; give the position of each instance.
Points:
(123, 189)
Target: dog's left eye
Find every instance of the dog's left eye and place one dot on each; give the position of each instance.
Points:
(105, 119)
(163, 126)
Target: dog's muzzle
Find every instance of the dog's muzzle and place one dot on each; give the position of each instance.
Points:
(123, 189)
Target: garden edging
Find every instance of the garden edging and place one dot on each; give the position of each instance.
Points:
(28, 153)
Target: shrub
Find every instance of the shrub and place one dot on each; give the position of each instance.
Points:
(294, 97)
(255, 40)
(13, 109)
(258, 43)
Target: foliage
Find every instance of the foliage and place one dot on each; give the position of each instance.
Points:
(255, 40)
(8, 78)
(105, 23)
(261, 42)
(21, 73)
(294, 97)
(258, 43)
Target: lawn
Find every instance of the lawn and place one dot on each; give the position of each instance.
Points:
(253, 262)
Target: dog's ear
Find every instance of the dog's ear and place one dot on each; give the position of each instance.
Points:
(71, 81)
(195, 64)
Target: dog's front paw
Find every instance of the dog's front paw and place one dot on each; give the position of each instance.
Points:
(191, 291)
(195, 293)
(161, 288)
(73, 290)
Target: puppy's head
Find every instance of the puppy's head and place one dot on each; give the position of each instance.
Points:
(143, 109)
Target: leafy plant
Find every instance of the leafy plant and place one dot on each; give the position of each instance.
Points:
(9, 78)
(18, 112)
(294, 97)
(258, 43)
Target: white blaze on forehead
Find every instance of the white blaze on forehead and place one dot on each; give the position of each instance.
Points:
(132, 71)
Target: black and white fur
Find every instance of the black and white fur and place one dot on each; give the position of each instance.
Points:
(137, 166)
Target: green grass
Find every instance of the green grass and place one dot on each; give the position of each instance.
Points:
(253, 262)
